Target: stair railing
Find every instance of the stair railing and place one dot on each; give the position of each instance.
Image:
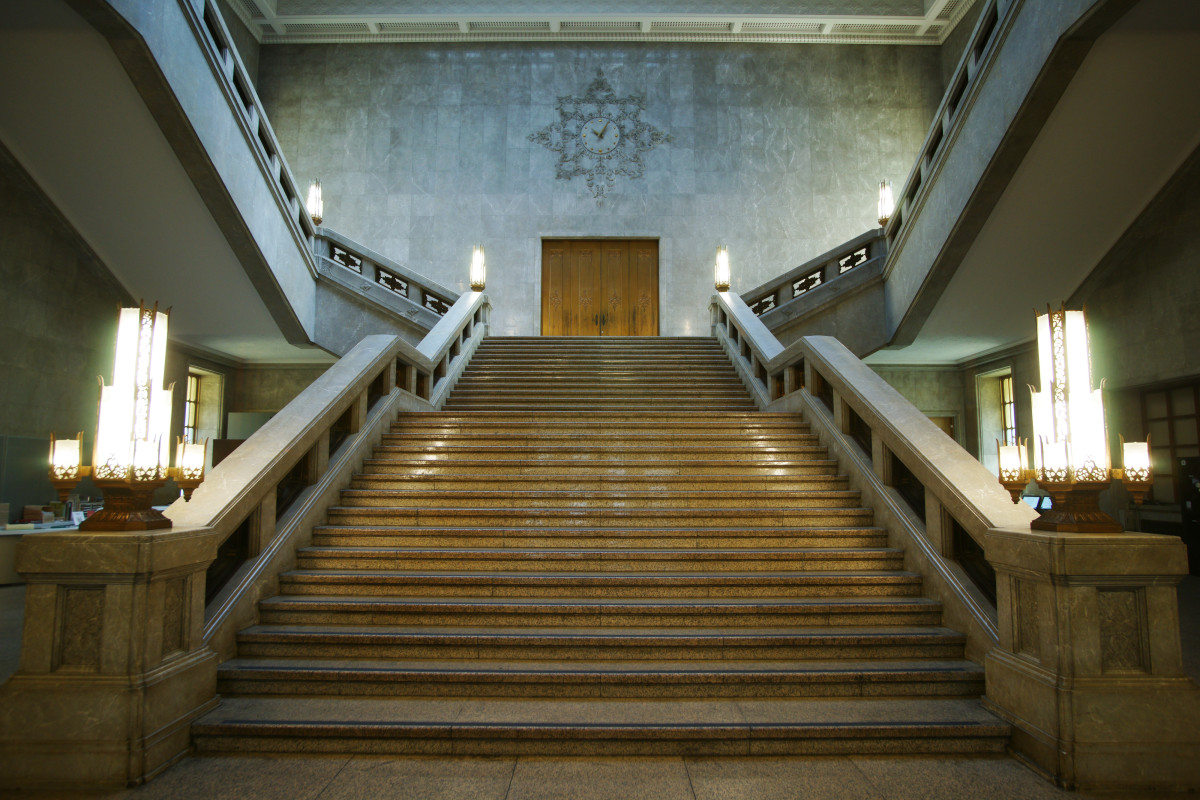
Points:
(387, 284)
(935, 499)
(265, 497)
(799, 291)
(124, 629)
(1079, 633)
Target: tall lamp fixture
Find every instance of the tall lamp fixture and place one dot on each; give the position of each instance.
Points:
(721, 269)
(887, 203)
(1071, 455)
(315, 205)
(133, 448)
(478, 269)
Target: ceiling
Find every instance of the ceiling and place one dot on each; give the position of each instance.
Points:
(766, 21)
(1120, 131)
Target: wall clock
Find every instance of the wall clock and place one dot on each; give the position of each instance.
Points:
(599, 136)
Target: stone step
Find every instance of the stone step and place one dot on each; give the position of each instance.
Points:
(592, 483)
(593, 451)
(605, 560)
(573, 679)
(592, 404)
(657, 468)
(679, 500)
(598, 612)
(600, 727)
(391, 536)
(427, 642)
(448, 437)
(601, 517)
(408, 583)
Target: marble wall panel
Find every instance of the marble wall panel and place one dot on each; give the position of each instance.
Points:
(423, 150)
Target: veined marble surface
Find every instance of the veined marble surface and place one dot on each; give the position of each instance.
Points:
(423, 151)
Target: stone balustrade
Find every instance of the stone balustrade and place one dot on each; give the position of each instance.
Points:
(1079, 632)
(124, 630)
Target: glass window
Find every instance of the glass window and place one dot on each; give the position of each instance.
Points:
(1169, 417)
(1008, 410)
(190, 408)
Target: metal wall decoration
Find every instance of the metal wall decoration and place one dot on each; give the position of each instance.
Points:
(600, 136)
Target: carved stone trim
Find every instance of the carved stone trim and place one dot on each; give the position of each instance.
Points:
(80, 628)
(1124, 645)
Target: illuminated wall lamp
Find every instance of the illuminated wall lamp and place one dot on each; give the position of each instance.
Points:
(478, 269)
(188, 471)
(314, 204)
(887, 203)
(66, 465)
(132, 450)
(1071, 454)
(721, 269)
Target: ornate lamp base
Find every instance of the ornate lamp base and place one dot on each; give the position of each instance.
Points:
(1076, 509)
(127, 507)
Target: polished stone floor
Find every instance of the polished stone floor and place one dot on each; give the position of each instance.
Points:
(530, 778)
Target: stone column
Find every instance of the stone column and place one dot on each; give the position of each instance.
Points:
(1088, 666)
(114, 668)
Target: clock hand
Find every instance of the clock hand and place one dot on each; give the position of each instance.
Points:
(602, 130)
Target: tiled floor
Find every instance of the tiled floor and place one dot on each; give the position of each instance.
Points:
(341, 777)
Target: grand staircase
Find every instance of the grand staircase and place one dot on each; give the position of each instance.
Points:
(600, 547)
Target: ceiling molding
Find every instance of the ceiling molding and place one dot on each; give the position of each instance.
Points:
(269, 26)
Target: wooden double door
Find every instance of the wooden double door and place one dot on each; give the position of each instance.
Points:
(599, 287)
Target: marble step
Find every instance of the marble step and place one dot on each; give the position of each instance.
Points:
(409, 582)
(594, 483)
(604, 560)
(603, 501)
(847, 515)
(600, 727)
(731, 454)
(632, 645)
(649, 468)
(686, 539)
(445, 437)
(593, 404)
(596, 612)
(574, 679)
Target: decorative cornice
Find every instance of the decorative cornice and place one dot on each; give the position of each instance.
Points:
(334, 26)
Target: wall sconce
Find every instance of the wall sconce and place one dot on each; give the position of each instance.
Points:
(1071, 453)
(188, 471)
(478, 269)
(887, 203)
(133, 434)
(66, 465)
(721, 269)
(315, 205)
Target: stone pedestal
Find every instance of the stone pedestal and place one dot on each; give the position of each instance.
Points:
(113, 664)
(1088, 666)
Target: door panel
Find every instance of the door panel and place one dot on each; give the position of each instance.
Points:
(603, 287)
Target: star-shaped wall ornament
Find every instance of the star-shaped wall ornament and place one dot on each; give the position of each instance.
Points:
(600, 136)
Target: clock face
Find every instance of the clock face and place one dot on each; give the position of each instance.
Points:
(600, 135)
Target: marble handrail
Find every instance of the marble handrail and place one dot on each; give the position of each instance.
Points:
(778, 300)
(842, 398)
(395, 293)
(948, 118)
